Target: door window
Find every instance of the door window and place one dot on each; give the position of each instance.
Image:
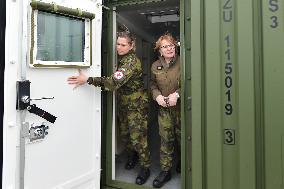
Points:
(60, 40)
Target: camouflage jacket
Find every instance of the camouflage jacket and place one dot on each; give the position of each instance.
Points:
(127, 80)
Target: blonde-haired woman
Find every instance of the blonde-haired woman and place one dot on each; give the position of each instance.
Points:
(165, 87)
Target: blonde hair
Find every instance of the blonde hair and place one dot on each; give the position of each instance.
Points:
(166, 36)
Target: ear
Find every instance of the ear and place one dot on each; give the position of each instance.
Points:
(160, 53)
(131, 46)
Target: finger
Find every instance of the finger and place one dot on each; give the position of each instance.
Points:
(72, 77)
(72, 82)
(164, 104)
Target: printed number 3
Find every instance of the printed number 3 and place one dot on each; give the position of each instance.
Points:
(229, 135)
(274, 23)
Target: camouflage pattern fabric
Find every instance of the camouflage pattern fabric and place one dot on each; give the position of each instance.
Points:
(127, 79)
(169, 130)
(133, 125)
(132, 102)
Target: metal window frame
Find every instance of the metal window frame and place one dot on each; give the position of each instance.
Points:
(64, 11)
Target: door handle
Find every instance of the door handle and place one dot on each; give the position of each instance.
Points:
(43, 98)
(41, 113)
(23, 101)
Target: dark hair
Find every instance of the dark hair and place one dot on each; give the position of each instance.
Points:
(127, 35)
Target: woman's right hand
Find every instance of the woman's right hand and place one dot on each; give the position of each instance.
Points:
(161, 101)
(79, 80)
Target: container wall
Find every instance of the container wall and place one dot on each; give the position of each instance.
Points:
(238, 94)
(273, 92)
(227, 97)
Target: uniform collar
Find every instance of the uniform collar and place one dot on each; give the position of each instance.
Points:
(120, 57)
(167, 65)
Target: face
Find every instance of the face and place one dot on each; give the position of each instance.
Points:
(167, 49)
(123, 46)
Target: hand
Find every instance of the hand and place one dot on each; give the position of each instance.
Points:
(79, 80)
(173, 99)
(161, 101)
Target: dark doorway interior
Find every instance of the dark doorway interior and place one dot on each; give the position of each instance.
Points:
(148, 21)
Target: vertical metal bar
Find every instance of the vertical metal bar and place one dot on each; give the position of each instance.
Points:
(114, 27)
(22, 57)
(23, 135)
(182, 57)
(259, 94)
(107, 70)
(2, 64)
(203, 91)
(22, 75)
(186, 113)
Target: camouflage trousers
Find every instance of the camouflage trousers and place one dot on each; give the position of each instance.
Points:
(133, 126)
(170, 132)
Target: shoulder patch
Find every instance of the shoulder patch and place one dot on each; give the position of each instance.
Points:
(118, 75)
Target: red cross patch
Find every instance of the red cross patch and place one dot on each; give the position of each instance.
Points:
(118, 75)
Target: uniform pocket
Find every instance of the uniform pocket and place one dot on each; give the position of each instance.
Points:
(161, 77)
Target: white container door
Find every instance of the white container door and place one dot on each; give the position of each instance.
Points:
(44, 48)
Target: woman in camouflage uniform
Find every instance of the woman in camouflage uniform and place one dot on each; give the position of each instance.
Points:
(132, 102)
(165, 87)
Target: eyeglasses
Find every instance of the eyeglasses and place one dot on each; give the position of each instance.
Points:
(171, 46)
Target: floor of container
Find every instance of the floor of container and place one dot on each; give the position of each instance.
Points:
(129, 176)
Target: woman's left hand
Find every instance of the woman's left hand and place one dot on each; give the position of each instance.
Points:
(79, 80)
(172, 99)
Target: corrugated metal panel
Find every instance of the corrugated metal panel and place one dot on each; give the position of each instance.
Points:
(273, 79)
(227, 93)
(240, 46)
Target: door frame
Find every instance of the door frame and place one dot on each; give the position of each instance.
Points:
(108, 52)
(2, 64)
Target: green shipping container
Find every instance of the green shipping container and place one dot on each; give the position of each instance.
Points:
(236, 76)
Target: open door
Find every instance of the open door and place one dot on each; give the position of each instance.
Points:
(52, 133)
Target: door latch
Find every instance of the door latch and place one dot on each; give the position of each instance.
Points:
(23, 101)
(38, 132)
(23, 94)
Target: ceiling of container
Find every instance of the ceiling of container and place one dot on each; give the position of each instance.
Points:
(140, 15)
